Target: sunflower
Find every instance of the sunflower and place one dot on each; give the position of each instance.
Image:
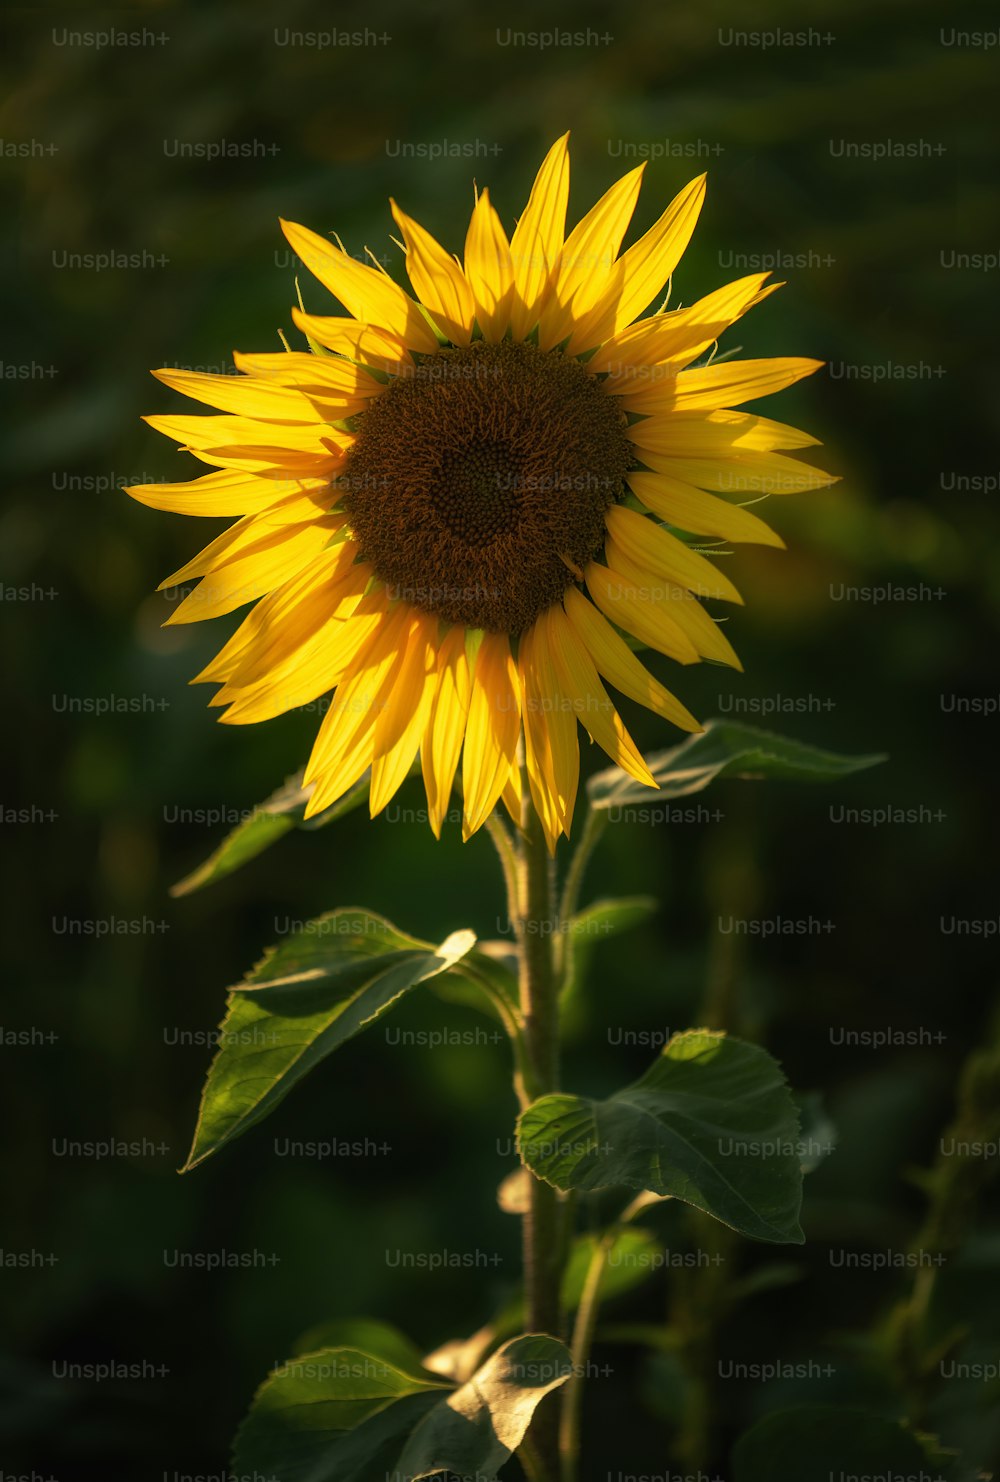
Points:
(459, 511)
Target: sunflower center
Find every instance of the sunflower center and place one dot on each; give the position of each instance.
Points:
(479, 483)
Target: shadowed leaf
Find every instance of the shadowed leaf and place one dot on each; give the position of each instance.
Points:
(711, 1122)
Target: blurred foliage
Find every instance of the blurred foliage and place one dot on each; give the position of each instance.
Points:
(131, 789)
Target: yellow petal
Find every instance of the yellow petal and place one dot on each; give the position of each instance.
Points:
(367, 343)
(680, 332)
(224, 493)
(619, 665)
(651, 546)
(278, 694)
(489, 270)
(445, 730)
(367, 293)
(493, 728)
(281, 554)
(715, 434)
(437, 279)
(511, 796)
(538, 238)
(641, 272)
(541, 796)
(692, 509)
(324, 594)
(655, 593)
(303, 369)
(536, 767)
(256, 439)
(312, 670)
(594, 710)
(247, 535)
(621, 601)
(749, 476)
(282, 464)
(724, 385)
(549, 727)
(403, 718)
(336, 388)
(286, 456)
(359, 688)
(735, 381)
(226, 661)
(343, 747)
(242, 394)
(544, 808)
(348, 768)
(588, 257)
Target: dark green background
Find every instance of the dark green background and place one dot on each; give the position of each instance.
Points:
(874, 291)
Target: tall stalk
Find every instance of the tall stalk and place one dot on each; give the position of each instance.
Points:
(537, 926)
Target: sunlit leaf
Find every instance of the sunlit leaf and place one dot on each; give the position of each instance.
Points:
(347, 1415)
(307, 997)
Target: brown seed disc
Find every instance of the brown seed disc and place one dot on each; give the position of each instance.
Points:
(481, 480)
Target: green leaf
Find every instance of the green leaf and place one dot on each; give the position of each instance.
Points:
(724, 749)
(711, 1122)
(816, 1442)
(344, 1415)
(303, 1000)
(283, 811)
(338, 1413)
(597, 922)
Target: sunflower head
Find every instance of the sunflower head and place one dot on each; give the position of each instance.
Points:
(461, 511)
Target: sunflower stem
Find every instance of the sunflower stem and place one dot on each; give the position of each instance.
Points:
(537, 928)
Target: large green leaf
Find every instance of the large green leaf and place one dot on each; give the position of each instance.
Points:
(345, 1415)
(303, 1000)
(711, 1122)
(723, 749)
(816, 1442)
(338, 1413)
(283, 811)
